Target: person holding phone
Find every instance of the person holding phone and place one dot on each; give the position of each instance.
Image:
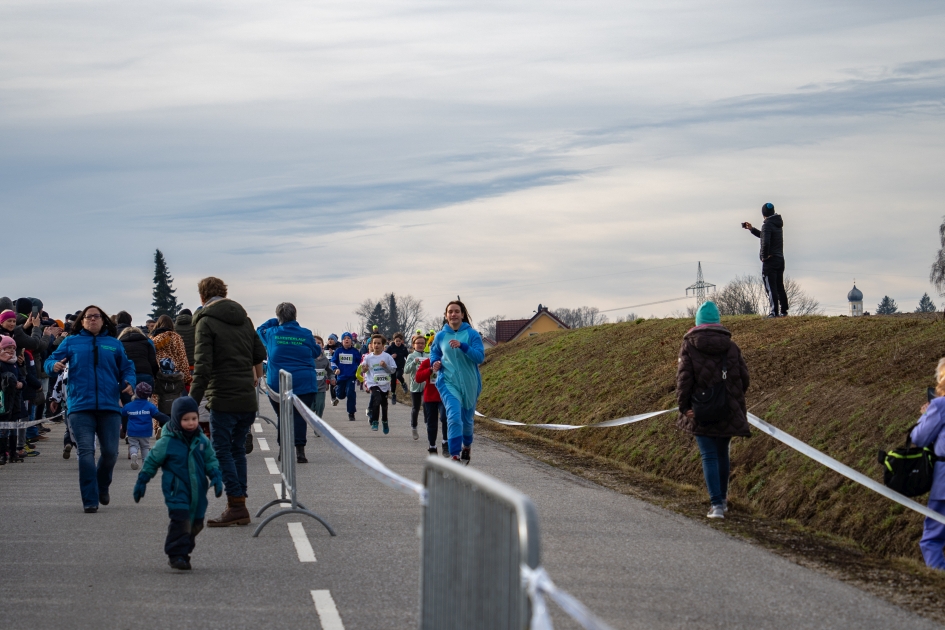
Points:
(772, 259)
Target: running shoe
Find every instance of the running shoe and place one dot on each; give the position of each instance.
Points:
(180, 564)
(43, 429)
(394, 399)
(373, 426)
(386, 428)
(351, 417)
(717, 511)
(416, 435)
(464, 456)
(456, 459)
(249, 443)
(30, 452)
(334, 402)
(66, 450)
(431, 450)
(445, 449)
(134, 462)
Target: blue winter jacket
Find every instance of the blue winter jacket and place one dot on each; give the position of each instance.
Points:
(459, 371)
(98, 370)
(293, 349)
(347, 361)
(928, 432)
(186, 464)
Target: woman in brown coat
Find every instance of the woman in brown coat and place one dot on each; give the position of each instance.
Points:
(169, 345)
(711, 381)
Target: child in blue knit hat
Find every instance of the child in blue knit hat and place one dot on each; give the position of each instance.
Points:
(137, 424)
(187, 458)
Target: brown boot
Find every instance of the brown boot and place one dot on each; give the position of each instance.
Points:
(234, 514)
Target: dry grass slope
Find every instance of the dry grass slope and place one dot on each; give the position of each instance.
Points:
(846, 386)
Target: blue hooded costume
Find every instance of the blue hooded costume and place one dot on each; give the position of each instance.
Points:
(458, 381)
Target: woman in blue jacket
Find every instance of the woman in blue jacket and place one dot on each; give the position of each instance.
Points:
(293, 349)
(455, 355)
(928, 432)
(99, 371)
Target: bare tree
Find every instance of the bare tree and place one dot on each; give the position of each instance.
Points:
(629, 317)
(487, 326)
(937, 273)
(580, 317)
(406, 309)
(745, 295)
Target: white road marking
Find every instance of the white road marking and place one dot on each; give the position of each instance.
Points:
(278, 488)
(263, 444)
(272, 466)
(327, 611)
(257, 427)
(302, 546)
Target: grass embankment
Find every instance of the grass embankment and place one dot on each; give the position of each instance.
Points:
(846, 386)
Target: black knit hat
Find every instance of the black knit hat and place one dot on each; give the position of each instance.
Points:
(767, 210)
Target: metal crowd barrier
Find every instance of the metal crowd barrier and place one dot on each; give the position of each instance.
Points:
(480, 562)
(286, 461)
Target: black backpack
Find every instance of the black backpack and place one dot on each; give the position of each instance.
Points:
(908, 470)
(710, 404)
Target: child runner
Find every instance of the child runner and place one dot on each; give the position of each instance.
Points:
(329, 352)
(137, 423)
(345, 363)
(399, 351)
(377, 368)
(323, 380)
(432, 408)
(455, 355)
(416, 389)
(188, 460)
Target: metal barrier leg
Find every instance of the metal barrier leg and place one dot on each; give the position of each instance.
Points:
(297, 510)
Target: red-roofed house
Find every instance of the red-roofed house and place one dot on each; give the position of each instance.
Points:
(543, 321)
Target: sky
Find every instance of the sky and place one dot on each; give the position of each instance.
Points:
(562, 153)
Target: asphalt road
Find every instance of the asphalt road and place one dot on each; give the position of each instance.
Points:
(635, 565)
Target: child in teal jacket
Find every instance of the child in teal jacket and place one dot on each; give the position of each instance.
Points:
(187, 458)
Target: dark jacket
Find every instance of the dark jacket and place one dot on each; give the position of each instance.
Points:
(139, 351)
(399, 353)
(184, 326)
(772, 237)
(227, 347)
(291, 348)
(32, 341)
(700, 365)
(186, 464)
(18, 408)
(29, 373)
(98, 370)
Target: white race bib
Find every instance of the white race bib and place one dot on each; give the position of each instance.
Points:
(346, 359)
(319, 375)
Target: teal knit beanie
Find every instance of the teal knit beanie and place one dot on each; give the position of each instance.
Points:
(708, 313)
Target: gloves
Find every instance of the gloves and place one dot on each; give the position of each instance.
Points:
(140, 487)
(217, 482)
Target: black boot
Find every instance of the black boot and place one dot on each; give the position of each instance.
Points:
(300, 455)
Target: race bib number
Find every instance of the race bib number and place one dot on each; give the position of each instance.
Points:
(382, 378)
(346, 359)
(320, 375)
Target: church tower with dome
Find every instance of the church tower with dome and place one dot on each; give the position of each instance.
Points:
(855, 298)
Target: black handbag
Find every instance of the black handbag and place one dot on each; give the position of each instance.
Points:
(710, 404)
(908, 470)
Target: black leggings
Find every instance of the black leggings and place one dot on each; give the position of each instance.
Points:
(417, 399)
(378, 399)
(398, 376)
(430, 412)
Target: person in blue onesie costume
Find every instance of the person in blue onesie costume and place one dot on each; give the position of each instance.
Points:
(930, 431)
(455, 355)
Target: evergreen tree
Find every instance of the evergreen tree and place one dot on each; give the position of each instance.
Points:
(887, 307)
(926, 305)
(378, 318)
(163, 299)
(393, 317)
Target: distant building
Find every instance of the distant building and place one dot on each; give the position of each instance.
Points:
(855, 298)
(543, 321)
(488, 342)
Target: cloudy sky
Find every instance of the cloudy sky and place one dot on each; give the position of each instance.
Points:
(567, 153)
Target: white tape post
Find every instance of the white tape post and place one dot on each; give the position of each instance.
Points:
(539, 584)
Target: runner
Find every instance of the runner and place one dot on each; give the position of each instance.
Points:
(330, 348)
(345, 363)
(399, 351)
(433, 409)
(455, 355)
(414, 359)
(377, 369)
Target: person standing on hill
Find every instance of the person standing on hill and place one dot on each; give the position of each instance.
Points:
(772, 259)
(929, 432)
(711, 381)
(455, 355)
(228, 356)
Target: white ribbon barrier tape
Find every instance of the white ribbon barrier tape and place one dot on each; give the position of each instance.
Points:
(22, 425)
(539, 585)
(843, 469)
(570, 427)
(359, 457)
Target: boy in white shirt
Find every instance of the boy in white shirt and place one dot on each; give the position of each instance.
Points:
(377, 368)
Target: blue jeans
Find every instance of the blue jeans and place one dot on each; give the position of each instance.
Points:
(85, 425)
(933, 538)
(459, 422)
(346, 390)
(715, 466)
(228, 431)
